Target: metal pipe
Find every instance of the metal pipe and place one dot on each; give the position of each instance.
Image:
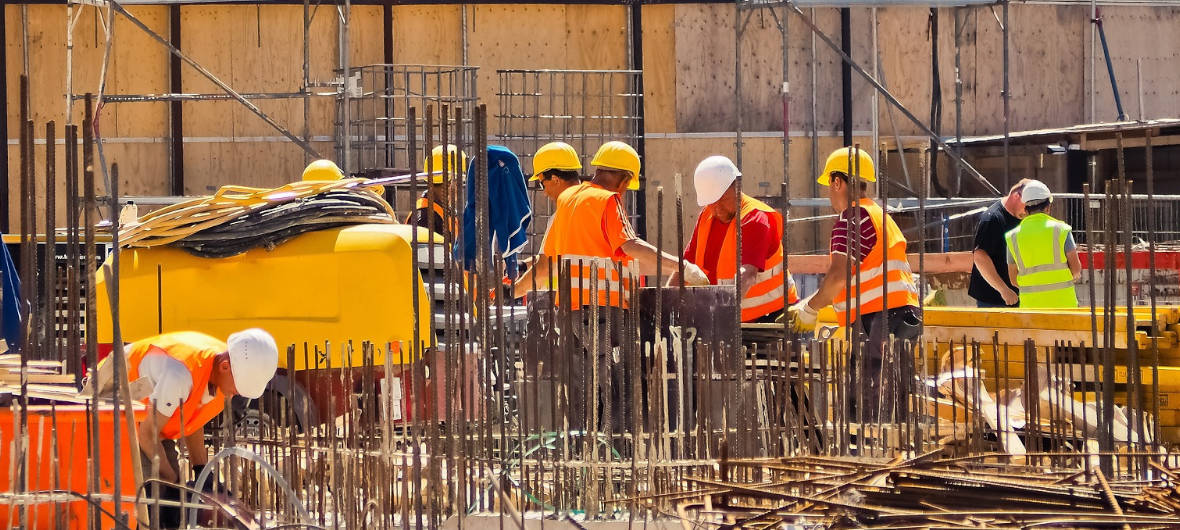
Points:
(1114, 84)
(1155, 350)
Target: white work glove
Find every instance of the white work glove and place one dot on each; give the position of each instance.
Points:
(802, 316)
(693, 275)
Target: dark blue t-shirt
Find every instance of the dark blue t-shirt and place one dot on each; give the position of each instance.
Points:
(989, 236)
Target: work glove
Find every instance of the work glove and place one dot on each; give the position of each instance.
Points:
(802, 316)
(693, 275)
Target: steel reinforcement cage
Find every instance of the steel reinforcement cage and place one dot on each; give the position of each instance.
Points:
(584, 108)
(375, 104)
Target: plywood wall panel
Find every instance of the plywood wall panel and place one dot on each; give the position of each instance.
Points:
(139, 65)
(705, 85)
(427, 34)
(659, 68)
(206, 33)
(596, 37)
(496, 45)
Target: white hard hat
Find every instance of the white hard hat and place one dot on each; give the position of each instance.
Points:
(1035, 191)
(714, 175)
(253, 359)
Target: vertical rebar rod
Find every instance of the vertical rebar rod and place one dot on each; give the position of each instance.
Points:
(49, 257)
(1151, 286)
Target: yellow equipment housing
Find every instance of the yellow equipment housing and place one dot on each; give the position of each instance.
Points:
(337, 285)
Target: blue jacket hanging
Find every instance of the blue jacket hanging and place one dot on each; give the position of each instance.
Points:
(509, 210)
(10, 313)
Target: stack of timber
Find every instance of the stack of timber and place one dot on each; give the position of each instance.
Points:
(43, 379)
(927, 491)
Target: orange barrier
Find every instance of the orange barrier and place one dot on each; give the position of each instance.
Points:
(72, 470)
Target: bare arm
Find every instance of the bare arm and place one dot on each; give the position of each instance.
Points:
(1075, 264)
(149, 444)
(539, 270)
(647, 256)
(834, 281)
(198, 455)
(748, 274)
(987, 269)
(1012, 270)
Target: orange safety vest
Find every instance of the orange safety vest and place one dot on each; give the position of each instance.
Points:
(423, 203)
(577, 240)
(766, 295)
(876, 294)
(197, 351)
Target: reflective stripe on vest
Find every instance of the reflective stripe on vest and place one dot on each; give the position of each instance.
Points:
(878, 292)
(198, 352)
(452, 223)
(594, 275)
(1042, 272)
(765, 295)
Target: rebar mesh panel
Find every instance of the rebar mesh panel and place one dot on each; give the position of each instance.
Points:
(584, 108)
(378, 105)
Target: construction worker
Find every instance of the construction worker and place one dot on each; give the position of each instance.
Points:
(555, 169)
(591, 234)
(190, 376)
(597, 204)
(887, 293)
(713, 246)
(1042, 254)
(439, 219)
(990, 284)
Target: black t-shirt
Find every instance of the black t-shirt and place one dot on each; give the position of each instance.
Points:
(989, 236)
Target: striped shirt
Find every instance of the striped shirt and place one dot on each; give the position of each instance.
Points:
(844, 225)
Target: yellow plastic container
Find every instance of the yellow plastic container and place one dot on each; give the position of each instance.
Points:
(336, 285)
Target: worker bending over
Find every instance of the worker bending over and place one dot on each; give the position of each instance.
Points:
(713, 246)
(592, 235)
(1042, 254)
(864, 238)
(439, 219)
(555, 169)
(991, 286)
(191, 375)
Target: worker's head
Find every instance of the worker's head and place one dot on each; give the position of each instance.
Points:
(715, 180)
(248, 365)
(1037, 197)
(555, 168)
(847, 174)
(616, 167)
(1014, 203)
(322, 170)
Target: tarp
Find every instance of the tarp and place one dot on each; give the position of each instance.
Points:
(10, 313)
(509, 210)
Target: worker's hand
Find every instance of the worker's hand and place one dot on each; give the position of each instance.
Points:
(693, 275)
(802, 316)
(1010, 296)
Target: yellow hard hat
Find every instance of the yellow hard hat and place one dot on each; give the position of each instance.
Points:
(555, 155)
(322, 170)
(841, 161)
(618, 155)
(438, 159)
